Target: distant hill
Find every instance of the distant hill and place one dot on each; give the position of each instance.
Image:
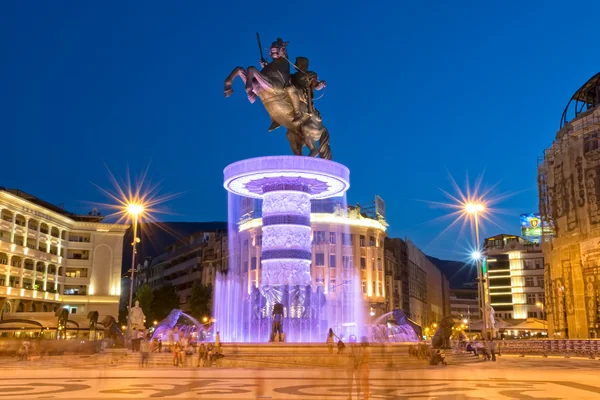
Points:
(458, 273)
(155, 237)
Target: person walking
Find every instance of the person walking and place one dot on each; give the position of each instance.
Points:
(493, 347)
(330, 340)
(217, 342)
(201, 355)
(175, 350)
(145, 352)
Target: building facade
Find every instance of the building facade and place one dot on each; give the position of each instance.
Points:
(50, 258)
(396, 275)
(343, 241)
(569, 191)
(428, 288)
(515, 277)
(464, 304)
(196, 258)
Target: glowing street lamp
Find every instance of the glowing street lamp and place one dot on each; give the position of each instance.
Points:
(134, 211)
(205, 320)
(474, 210)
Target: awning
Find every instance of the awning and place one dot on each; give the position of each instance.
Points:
(531, 324)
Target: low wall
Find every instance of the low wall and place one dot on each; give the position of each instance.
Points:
(547, 347)
(10, 347)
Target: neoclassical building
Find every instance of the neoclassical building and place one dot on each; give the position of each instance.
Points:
(50, 258)
(344, 240)
(569, 190)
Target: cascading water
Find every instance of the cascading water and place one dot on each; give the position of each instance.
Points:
(170, 330)
(246, 297)
(402, 331)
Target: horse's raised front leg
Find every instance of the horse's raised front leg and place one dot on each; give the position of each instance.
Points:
(250, 82)
(238, 71)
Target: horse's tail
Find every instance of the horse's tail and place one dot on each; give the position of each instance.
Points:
(324, 148)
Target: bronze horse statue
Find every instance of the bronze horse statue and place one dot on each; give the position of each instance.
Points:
(282, 101)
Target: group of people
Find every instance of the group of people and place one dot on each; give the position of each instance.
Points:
(487, 348)
(183, 352)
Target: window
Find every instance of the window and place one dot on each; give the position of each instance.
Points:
(245, 266)
(538, 264)
(373, 288)
(529, 264)
(346, 239)
(380, 289)
(259, 240)
(253, 263)
(318, 237)
(362, 241)
(332, 261)
(332, 285)
(530, 298)
(363, 263)
(540, 281)
(246, 243)
(532, 314)
(371, 241)
(347, 262)
(379, 264)
(529, 281)
(364, 286)
(542, 298)
(332, 237)
(319, 259)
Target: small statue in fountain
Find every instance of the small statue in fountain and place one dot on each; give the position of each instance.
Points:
(137, 317)
(277, 330)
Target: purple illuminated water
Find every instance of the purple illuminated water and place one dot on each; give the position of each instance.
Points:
(170, 329)
(241, 316)
(382, 331)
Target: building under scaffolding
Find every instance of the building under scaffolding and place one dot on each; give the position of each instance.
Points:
(569, 191)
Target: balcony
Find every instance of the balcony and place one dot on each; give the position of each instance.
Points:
(78, 245)
(76, 281)
(7, 225)
(182, 266)
(78, 262)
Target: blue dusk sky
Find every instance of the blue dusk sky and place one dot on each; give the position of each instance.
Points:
(417, 92)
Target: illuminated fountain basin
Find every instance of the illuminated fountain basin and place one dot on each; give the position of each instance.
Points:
(403, 330)
(286, 185)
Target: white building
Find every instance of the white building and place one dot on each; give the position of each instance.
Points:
(515, 275)
(50, 258)
(343, 241)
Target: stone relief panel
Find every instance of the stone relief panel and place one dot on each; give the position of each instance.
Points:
(286, 237)
(593, 194)
(559, 206)
(286, 203)
(286, 272)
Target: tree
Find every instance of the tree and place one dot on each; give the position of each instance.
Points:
(165, 300)
(200, 302)
(145, 296)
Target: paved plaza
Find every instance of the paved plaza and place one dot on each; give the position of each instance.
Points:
(509, 378)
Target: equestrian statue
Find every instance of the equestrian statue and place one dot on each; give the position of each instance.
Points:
(288, 98)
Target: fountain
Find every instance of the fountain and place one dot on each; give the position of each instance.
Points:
(404, 330)
(286, 185)
(170, 330)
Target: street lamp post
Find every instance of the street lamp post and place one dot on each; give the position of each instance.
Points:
(475, 209)
(134, 211)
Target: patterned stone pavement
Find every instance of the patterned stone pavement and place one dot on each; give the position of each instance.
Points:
(509, 378)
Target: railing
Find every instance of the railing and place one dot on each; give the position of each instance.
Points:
(566, 347)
